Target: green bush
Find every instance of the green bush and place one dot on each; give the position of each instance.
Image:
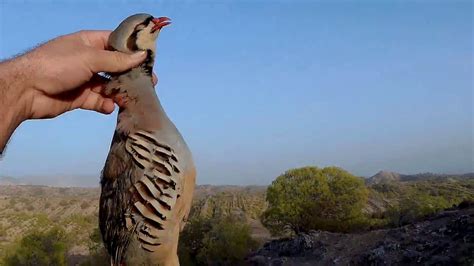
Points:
(413, 205)
(97, 254)
(410, 201)
(217, 241)
(191, 240)
(39, 248)
(311, 198)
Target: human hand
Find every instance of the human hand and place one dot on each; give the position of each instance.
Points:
(61, 75)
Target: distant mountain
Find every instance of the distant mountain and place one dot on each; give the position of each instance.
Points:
(384, 176)
(52, 181)
(387, 177)
(10, 181)
(205, 190)
(433, 176)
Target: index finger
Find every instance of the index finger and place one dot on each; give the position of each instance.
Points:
(96, 38)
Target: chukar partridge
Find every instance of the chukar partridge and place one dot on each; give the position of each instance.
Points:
(149, 177)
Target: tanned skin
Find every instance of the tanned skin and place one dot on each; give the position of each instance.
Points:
(57, 77)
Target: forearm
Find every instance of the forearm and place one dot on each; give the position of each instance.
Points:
(12, 101)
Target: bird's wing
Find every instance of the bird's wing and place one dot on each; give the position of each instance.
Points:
(155, 192)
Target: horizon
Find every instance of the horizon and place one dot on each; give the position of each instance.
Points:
(257, 88)
(59, 181)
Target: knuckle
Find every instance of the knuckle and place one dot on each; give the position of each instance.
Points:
(119, 58)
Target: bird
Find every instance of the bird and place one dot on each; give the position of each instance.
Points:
(148, 179)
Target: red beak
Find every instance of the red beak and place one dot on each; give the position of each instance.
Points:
(160, 23)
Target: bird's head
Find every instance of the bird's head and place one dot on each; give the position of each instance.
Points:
(137, 33)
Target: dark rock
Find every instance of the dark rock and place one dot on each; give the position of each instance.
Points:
(257, 260)
(443, 239)
(411, 256)
(301, 245)
(373, 257)
(277, 262)
(440, 260)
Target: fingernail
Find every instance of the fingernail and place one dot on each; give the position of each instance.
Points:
(137, 55)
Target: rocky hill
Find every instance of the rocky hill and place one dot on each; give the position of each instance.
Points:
(246, 203)
(387, 176)
(446, 238)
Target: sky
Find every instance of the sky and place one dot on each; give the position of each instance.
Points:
(259, 87)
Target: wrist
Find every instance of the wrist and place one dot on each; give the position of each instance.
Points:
(13, 100)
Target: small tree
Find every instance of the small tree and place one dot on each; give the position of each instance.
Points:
(191, 239)
(312, 198)
(40, 248)
(228, 243)
(215, 241)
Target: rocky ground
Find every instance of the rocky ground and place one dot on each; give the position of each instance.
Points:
(446, 238)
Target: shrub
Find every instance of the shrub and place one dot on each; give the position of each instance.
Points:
(228, 243)
(414, 205)
(217, 241)
(40, 248)
(311, 198)
(98, 255)
(85, 205)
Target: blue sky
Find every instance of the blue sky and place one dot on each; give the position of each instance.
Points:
(258, 87)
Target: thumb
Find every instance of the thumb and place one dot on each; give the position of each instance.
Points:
(108, 61)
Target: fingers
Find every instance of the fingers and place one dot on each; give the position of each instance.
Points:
(96, 102)
(108, 106)
(89, 98)
(107, 61)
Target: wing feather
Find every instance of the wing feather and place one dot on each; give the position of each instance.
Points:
(157, 190)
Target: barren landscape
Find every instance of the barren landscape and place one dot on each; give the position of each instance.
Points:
(25, 209)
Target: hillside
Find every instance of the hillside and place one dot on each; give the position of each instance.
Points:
(386, 195)
(446, 238)
(246, 203)
(25, 208)
(387, 176)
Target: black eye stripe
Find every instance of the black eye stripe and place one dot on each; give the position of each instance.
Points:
(147, 21)
(144, 23)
